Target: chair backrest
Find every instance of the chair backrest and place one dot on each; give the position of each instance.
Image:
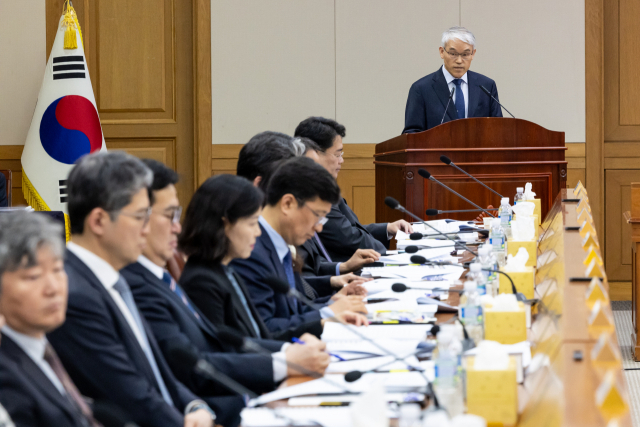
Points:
(7, 176)
(175, 265)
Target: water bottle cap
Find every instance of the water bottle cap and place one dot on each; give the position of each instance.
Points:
(505, 200)
(475, 267)
(470, 285)
(520, 189)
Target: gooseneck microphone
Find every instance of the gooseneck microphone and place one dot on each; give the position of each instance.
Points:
(394, 204)
(401, 287)
(188, 357)
(484, 89)
(283, 287)
(447, 161)
(434, 212)
(420, 236)
(453, 90)
(426, 175)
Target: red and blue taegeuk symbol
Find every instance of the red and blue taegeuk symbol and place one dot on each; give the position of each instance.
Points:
(70, 128)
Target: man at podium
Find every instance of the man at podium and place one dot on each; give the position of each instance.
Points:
(429, 96)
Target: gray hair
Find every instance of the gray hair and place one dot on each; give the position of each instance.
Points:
(22, 235)
(302, 145)
(106, 180)
(460, 33)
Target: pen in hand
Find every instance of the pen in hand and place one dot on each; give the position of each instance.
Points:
(299, 341)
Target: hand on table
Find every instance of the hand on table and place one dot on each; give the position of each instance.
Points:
(361, 258)
(199, 418)
(400, 225)
(311, 355)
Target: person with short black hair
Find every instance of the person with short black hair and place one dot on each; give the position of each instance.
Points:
(299, 196)
(257, 155)
(107, 347)
(343, 234)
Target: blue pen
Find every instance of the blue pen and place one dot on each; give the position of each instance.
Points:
(299, 341)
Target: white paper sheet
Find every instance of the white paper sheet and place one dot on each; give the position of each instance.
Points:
(296, 416)
(338, 332)
(414, 273)
(383, 363)
(400, 348)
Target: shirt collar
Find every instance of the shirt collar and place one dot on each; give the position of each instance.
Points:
(281, 246)
(450, 78)
(154, 268)
(105, 273)
(34, 347)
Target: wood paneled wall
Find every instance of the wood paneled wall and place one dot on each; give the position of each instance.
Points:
(356, 179)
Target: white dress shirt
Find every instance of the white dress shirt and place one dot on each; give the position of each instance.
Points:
(464, 86)
(35, 347)
(277, 359)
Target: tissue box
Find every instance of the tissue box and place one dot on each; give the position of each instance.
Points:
(493, 395)
(531, 246)
(538, 209)
(522, 279)
(505, 327)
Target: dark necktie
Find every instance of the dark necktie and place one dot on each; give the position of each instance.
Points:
(460, 107)
(322, 248)
(166, 277)
(287, 263)
(73, 394)
(122, 287)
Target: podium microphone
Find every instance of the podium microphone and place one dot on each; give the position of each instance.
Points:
(453, 90)
(448, 161)
(484, 89)
(394, 204)
(426, 175)
(434, 212)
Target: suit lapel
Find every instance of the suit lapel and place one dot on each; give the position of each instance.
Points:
(35, 374)
(474, 93)
(273, 255)
(440, 87)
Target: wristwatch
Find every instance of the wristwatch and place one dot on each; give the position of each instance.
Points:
(197, 405)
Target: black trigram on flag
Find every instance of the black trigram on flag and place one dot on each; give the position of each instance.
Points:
(68, 67)
(63, 190)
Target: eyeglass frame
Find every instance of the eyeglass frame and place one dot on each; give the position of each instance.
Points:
(138, 216)
(175, 217)
(462, 55)
(322, 220)
(338, 154)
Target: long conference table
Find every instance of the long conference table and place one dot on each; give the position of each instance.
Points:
(578, 380)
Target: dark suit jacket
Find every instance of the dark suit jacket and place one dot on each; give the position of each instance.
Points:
(29, 396)
(209, 288)
(105, 360)
(343, 234)
(173, 323)
(3, 192)
(429, 95)
(316, 266)
(278, 311)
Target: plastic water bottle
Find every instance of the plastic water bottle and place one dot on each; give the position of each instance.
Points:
(505, 214)
(476, 274)
(519, 195)
(448, 382)
(488, 261)
(471, 311)
(497, 241)
(409, 415)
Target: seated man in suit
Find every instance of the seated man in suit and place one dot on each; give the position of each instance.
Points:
(5, 420)
(299, 196)
(174, 319)
(34, 385)
(105, 343)
(429, 96)
(343, 234)
(258, 155)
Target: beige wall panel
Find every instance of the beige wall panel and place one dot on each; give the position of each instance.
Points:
(23, 35)
(535, 51)
(272, 65)
(382, 47)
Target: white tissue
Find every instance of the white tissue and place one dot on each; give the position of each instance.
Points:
(524, 209)
(468, 420)
(371, 409)
(528, 194)
(518, 262)
(468, 237)
(491, 356)
(523, 228)
(436, 419)
(505, 302)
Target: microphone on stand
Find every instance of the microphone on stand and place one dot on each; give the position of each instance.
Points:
(484, 89)
(401, 287)
(394, 204)
(426, 175)
(283, 287)
(447, 161)
(420, 236)
(434, 212)
(453, 90)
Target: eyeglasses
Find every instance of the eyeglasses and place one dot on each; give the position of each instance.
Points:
(140, 216)
(455, 55)
(337, 154)
(322, 220)
(172, 214)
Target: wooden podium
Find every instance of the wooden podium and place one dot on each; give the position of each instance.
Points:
(503, 153)
(632, 218)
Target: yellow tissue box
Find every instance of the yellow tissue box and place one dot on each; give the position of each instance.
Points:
(493, 395)
(531, 246)
(522, 279)
(505, 327)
